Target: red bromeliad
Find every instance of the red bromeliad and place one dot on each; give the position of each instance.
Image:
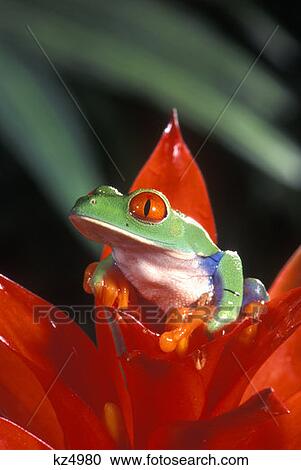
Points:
(57, 390)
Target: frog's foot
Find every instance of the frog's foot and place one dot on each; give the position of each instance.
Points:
(110, 288)
(183, 322)
(89, 271)
(254, 291)
(254, 298)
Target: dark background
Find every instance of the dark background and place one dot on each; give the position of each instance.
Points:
(257, 213)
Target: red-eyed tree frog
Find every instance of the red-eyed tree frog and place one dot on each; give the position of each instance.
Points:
(168, 257)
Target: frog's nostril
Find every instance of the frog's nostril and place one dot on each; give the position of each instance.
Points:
(92, 201)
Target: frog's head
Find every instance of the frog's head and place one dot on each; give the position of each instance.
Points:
(143, 216)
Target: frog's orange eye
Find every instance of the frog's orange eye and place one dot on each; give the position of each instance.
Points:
(148, 207)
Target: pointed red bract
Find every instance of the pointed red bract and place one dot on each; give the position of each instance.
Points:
(244, 353)
(228, 362)
(111, 348)
(81, 428)
(172, 170)
(45, 361)
(162, 392)
(24, 400)
(253, 425)
(40, 403)
(231, 359)
(154, 387)
(47, 337)
(290, 424)
(289, 276)
(13, 437)
(282, 370)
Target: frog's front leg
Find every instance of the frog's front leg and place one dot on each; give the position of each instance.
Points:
(228, 289)
(254, 292)
(107, 283)
(254, 298)
(228, 284)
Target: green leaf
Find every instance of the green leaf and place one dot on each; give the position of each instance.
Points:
(41, 125)
(166, 73)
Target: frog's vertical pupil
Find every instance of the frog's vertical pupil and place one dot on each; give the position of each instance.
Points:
(147, 207)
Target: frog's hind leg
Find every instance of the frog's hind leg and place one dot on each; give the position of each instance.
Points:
(254, 291)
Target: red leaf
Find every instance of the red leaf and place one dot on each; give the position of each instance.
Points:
(81, 428)
(289, 276)
(48, 338)
(282, 370)
(290, 424)
(254, 425)
(162, 392)
(41, 403)
(172, 170)
(111, 347)
(13, 437)
(21, 394)
(154, 387)
(246, 351)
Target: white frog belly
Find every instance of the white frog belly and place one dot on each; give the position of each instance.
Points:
(164, 279)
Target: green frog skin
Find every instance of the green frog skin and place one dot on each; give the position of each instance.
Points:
(168, 257)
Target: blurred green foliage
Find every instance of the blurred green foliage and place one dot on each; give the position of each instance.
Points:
(157, 51)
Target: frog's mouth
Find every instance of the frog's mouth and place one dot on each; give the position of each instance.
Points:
(103, 232)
